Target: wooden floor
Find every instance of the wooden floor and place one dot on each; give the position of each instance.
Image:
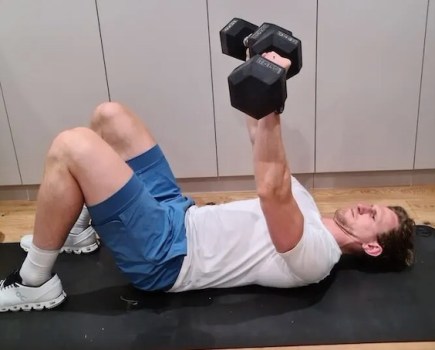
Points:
(16, 219)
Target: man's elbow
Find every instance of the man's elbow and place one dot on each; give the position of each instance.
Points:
(276, 191)
(274, 194)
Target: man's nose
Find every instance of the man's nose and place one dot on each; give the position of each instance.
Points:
(364, 208)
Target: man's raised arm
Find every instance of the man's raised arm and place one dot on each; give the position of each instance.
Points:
(273, 178)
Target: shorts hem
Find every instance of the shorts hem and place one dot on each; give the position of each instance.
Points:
(108, 209)
(150, 157)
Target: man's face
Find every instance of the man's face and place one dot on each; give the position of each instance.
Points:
(365, 221)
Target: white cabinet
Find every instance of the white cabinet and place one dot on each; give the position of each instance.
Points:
(52, 73)
(9, 174)
(353, 107)
(425, 153)
(298, 121)
(158, 63)
(368, 83)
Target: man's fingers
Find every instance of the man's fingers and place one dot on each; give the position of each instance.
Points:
(277, 59)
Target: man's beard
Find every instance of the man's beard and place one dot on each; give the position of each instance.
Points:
(340, 218)
(342, 222)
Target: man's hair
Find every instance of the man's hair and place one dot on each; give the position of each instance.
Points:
(398, 244)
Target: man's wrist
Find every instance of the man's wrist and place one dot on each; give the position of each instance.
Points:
(269, 121)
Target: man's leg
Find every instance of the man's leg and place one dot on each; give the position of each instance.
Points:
(80, 167)
(129, 137)
(156, 247)
(122, 130)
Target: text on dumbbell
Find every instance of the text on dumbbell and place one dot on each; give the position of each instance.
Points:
(269, 65)
(233, 22)
(287, 37)
(260, 31)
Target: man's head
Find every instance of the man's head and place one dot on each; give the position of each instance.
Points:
(385, 232)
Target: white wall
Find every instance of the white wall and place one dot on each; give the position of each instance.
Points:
(353, 107)
(158, 63)
(52, 73)
(9, 174)
(425, 153)
(368, 83)
(234, 149)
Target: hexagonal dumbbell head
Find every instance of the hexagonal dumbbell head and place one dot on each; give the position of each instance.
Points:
(258, 87)
(232, 36)
(269, 37)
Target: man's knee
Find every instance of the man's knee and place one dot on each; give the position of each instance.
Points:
(106, 112)
(72, 144)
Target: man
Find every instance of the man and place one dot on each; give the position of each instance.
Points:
(162, 241)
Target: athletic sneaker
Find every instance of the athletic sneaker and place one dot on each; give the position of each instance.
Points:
(84, 242)
(14, 296)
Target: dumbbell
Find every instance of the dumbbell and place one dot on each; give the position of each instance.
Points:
(239, 34)
(258, 87)
(233, 36)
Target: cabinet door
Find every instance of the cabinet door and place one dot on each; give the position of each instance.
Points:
(52, 72)
(425, 153)
(9, 174)
(158, 63)
(234, 149)
(368, 83)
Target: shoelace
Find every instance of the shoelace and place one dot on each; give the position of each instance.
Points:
(11, 281)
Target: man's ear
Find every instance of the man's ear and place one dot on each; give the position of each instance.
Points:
(372, 248)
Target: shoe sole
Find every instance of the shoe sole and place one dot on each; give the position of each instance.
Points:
(81, 250)
(37, 306)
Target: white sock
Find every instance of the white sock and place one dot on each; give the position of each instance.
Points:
(36, 269)
(82, 222)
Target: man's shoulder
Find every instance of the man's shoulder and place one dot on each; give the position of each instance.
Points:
(304, 199)
(316, 253)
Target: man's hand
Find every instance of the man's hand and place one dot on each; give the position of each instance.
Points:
(277, 59)
(274, 57)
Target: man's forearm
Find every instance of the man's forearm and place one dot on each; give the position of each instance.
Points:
(272, 174)
(251, 124)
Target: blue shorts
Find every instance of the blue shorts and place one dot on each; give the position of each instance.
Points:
(143, 223)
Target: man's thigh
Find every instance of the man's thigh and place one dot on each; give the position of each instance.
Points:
(147, 238)
(97, 168)
(154, 171)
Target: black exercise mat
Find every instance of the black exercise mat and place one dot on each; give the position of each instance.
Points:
(353, 305)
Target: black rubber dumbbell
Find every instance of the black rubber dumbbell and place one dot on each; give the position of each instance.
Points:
(239, 34)
(258, 87)
(270, 37)
(233, 35)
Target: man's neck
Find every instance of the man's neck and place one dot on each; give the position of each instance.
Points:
(347, 244)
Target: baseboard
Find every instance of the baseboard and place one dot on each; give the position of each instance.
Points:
(375, 179)
(247, 183)
(363, 179)
(14, 192)
(231, 183)
(319, 180)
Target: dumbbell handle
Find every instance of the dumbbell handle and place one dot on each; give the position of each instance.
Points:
(288, 48)
(255, 35)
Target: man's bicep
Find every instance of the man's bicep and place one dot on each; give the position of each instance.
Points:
(284, 220)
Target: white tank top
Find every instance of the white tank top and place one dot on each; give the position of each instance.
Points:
(228, 245)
